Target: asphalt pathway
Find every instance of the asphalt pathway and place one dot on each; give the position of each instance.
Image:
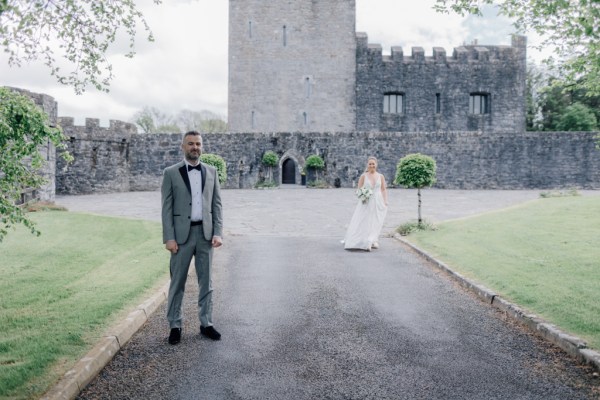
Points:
(303, 319)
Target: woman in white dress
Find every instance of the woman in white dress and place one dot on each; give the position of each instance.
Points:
(367, 220)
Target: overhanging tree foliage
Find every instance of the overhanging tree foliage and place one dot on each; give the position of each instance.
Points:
(78, 31)
(571, 27)
(23, 129)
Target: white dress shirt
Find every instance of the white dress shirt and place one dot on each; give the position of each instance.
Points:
(195, 177)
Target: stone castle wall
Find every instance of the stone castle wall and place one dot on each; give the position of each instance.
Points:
(466, 160)
(101, 157)
(292, 65)
(436, 89)
(47, 191)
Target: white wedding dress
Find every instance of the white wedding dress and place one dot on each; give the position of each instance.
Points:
(367, 220)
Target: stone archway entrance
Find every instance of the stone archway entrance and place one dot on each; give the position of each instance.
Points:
(288, 172)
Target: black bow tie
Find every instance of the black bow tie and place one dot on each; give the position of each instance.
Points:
(190, 167)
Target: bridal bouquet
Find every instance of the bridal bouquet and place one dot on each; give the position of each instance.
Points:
(364, 194)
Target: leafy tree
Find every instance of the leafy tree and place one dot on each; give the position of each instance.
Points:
(571, 27)
(270, 159)
(416, 171)
(557, 96)
(578, 117)
(535, 82)
(315, 162)
(152, 120)
(202, 121)
(23, 129)
(79, 32)
(218, 162)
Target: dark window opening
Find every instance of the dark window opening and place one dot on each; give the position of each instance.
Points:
(393, 103)
(479, 103)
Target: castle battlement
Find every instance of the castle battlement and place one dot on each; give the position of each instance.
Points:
(93, 125)
(461, 54)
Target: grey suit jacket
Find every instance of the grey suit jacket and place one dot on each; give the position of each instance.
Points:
(177, 203)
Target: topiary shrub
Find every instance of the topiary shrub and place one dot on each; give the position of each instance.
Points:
(315, 162)
(270, 159)
(416, 171)
(217, 162)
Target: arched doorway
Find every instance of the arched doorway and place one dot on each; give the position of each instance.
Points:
(288, 171)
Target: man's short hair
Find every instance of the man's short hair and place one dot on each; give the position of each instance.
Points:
(191, 133)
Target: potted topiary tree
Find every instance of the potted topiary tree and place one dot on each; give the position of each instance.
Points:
(217, 162)
(270, 159)
(314, 163)
(416, 171)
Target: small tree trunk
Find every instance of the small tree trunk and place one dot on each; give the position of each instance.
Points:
(419, 196)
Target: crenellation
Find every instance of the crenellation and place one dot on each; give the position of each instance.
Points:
(482, 53)
(122, 126)
(439, 54)
(460, 54)
(418, 54)
(65, 122)
(397, 54)
(375, 48)
(92, 123)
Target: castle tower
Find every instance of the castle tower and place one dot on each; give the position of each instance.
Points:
(292, 65)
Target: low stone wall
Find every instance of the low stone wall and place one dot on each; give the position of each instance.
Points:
(101, 157)
(109, 162)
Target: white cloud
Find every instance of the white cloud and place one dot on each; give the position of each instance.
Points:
(186, 66)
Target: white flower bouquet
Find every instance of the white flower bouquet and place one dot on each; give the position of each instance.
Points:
(364, 194)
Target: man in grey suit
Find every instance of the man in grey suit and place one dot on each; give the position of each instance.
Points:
(192, 222)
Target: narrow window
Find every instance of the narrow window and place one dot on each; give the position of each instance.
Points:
(250, 29)
(479, 103)
(284, 36)
(305, 116)
(393, 103)
(253, 122)
(307, 87)
(438, 103)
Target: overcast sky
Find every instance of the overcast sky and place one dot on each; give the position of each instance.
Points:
(186, 66)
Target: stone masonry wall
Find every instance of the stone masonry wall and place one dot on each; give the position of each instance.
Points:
(292, 65)
(466, 160)
(497, 71)
(102, 157)
(47, 191)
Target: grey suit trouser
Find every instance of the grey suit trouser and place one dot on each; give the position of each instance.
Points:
(201, 250)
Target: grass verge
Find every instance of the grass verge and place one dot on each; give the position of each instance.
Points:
(543, 255)
(61, 290)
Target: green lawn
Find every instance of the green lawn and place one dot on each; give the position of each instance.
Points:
(543, 255)
(61, 290)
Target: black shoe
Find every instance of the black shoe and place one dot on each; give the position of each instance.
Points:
(210, 332)
(175, 336)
